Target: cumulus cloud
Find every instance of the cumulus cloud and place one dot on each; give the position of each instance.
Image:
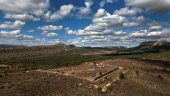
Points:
(15, 32)
(12, 25)
(102, 3)
(150, 5)
(64, 11)
(50, 28)
(134, 21)
(131, 37)
(74, 41)
(155, 33)
(155, 28)
(71, 32)
(22, 17)
(157, 23)
(67, 28)
(120, 33)
(54, 41)
(37, 7)
(130, 24)
(30, 31)
(84, 11)
(92, 33)
(128, 12)
(52, 34)
(100, 13)
(45, 33)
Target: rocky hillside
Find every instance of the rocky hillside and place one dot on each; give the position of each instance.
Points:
(35, 51)
(155, 43)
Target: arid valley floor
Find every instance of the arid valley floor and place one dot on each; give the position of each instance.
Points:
(113, 74)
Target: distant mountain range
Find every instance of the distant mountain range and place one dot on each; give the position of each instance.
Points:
(10, 46)
(151, 44)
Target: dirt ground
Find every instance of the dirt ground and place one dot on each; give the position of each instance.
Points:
(141, 78)
(88, 70)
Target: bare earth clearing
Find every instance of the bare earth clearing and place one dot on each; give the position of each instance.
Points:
(142, 77)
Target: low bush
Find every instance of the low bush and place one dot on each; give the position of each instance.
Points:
(100, 73)
(121, 75)
(2, 87)
(137, 72)
(160, 77)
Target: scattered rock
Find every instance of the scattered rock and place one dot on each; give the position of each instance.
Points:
(104, 89)
(121, 67)
(79, 84)
(27, 71)
(109, 84)
(96, 86)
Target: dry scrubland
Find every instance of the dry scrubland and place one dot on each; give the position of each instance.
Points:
(62, 70)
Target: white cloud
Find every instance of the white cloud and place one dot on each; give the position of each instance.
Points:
(84, 11)
(130, 24)
(67, 28)
(74, 41)
(120, 32)
(12, 25)
(15, 32)
(100, 13)
(155, 33)
(102, 3)
(45, 33)
(22, 17)
(155, 28)
(50, 28)
(88, 3)
(92, 33)
(52, 34)
(134, 21)
(101, 26)
(150, 5)
(64, 11)
(36, 7)
(128, 12)
(9, 35)
(139, 34)
(157, 23)
(54, 41)
(17, 38)
(30, 31)
(71, 32)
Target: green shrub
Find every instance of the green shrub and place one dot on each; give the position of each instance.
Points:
(2, 87)
(33, 68)
(20, 87)
(121, 75)
(100, 73)
(160, 77)
(9, 86)
(137, 72)
(99, 89)
(164, 69)
(73, 73)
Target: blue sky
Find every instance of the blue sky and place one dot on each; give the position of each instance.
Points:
(84, 22)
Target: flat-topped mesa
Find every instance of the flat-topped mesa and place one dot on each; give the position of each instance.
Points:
(155, 43)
